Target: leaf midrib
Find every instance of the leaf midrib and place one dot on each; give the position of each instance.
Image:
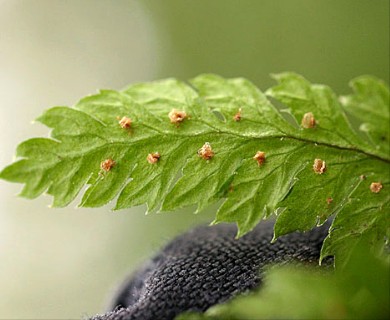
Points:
(164, 135)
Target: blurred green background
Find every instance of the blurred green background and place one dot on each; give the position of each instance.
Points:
(65, 263)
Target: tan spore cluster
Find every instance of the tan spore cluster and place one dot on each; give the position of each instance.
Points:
(319, 166)
(259, 157)
(177, 116)
(376, 187)
(206, 152)
(237, 117)
(153, 157)
(308, 121)
(125, 122)
(107, 164)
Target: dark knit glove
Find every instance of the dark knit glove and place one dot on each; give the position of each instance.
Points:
(206, 266)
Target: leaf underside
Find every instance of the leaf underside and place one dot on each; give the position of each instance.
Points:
(237, 120)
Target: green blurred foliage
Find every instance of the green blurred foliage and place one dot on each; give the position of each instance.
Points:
(327, 41)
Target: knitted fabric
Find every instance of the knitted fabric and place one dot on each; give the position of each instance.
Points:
(206, 266)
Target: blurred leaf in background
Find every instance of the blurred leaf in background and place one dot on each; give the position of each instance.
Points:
(328, 42)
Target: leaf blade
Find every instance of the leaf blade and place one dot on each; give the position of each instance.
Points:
(238, 120)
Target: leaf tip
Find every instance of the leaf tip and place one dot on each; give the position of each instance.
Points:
(241, 232)
(2, 174)
(214, 222)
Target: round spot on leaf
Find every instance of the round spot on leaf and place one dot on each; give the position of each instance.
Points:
(107, 164)
(376, 187)
(319, 166)
(308, 121)
(259, 157)
(125, 123)
(206, 152)
(177, 116)
(153, 157)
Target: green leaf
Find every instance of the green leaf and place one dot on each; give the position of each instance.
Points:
(370, 105)
(237, 120)
(364, 216)
(360, 290)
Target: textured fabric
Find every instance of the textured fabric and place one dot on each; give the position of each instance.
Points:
(206, 266)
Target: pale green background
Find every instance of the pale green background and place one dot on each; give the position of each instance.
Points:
(63, 263)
